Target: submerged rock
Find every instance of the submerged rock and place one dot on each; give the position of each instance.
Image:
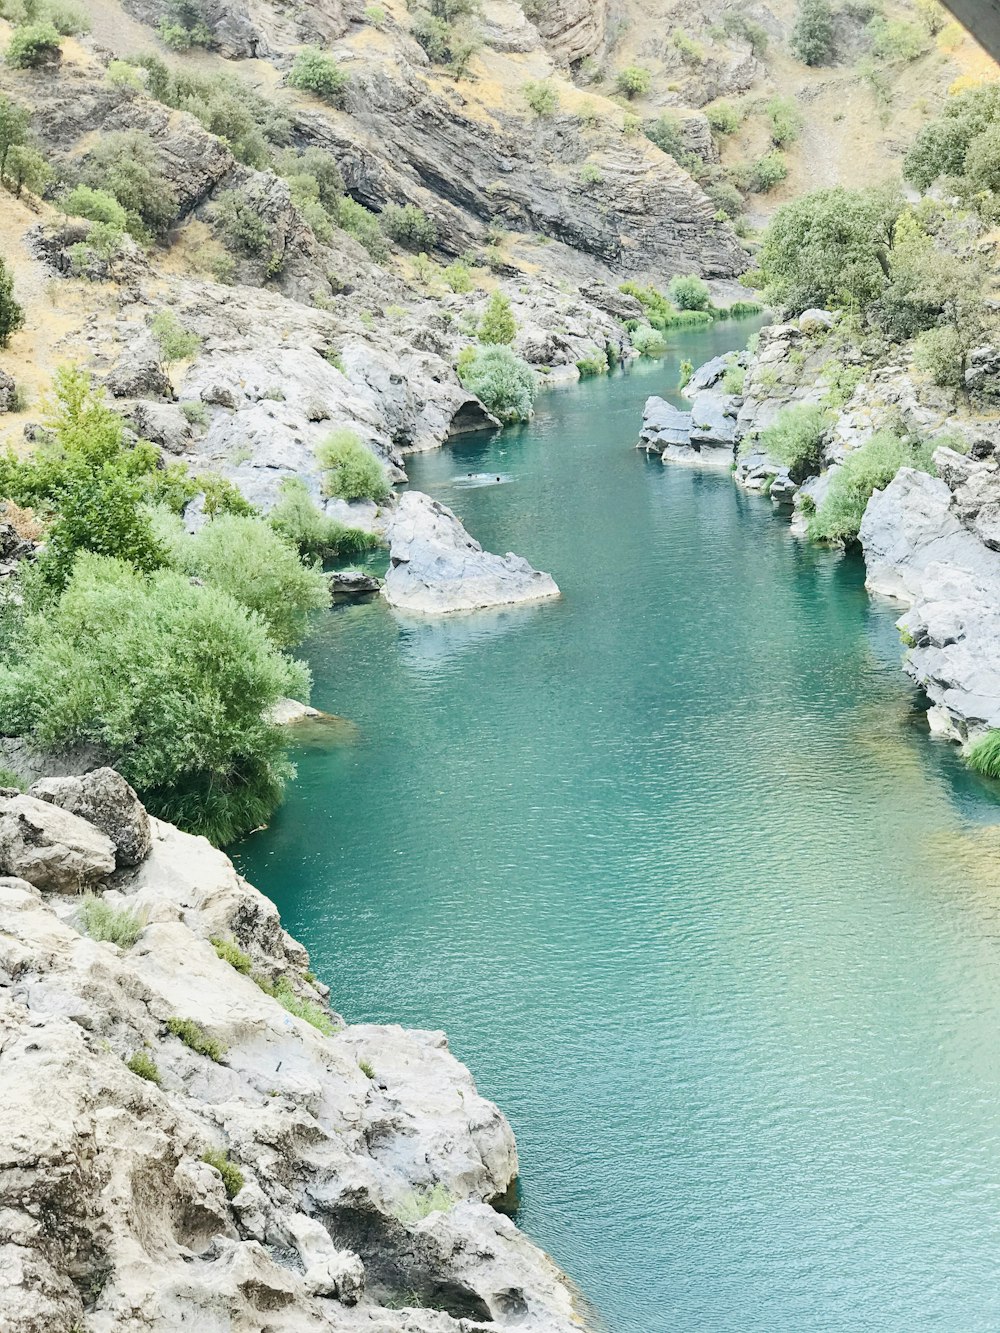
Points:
(437, 568)
(348, 583)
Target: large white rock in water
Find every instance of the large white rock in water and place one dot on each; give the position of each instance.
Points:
(437, 568)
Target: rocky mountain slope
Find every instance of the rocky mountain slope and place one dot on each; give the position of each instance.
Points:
(191, 1138)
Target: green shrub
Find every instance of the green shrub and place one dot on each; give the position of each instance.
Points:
(308, 1010)
(13, 128)
(768, 171)
(409, 226)
(8, 778)
(33, 45)
(812, 35)
(184, 25)
(143, 1064)
(497, 325)
(350, 470)
(249, 560)
(194, 1036)
(232, 1176)
(591, 174)
(102, 921)
(686, 370)
(726, 198)
(688, 293)
(897, 39)
(984, 756)
(458, 276)
(867, 469)
(733, 380)
(302, 523)
(367, 1068)
(27, 167)
(941, 146)
(540, 96)
(230, 952)
(125, 77)
(739, 25)
(11, 313)
(502, 381)
(175, 342)
(127, 165)
(665, 132)
(786, 121)
(315, 72)
(69, 20)
(363, 226)
(195, 413)
(723, 118)
(941, 352)
(172, 681)
(648, 341)
(634, 81)
(592, 365)
(97, 205)
(795, 440)
(691, 52)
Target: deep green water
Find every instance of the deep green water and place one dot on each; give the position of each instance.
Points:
(676, 865)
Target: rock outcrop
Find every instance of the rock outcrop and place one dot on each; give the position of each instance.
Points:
(436, 568)
(192, 1138)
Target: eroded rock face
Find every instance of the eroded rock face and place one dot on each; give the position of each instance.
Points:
(112, 1215)
(437, 568)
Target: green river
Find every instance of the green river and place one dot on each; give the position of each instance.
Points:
(676, 865)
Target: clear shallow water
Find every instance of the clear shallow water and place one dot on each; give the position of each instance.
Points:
(675, 864)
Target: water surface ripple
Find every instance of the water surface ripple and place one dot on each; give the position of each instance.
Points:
(676, 866)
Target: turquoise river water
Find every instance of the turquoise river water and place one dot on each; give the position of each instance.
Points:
(676, 865)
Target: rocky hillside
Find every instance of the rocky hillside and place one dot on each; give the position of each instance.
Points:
(192, 1138)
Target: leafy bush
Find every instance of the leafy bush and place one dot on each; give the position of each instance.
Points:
(302, 523)
(942, 352)
(762, 176)
(540, 96)
(501, 381)
(127, 165)
(184, 25)
(497, 325)
(734, 380)
(786, 122)
(688, 293)
(812, 35)
(897, 39)
(691, 52)
(350, 470)
(864, 471)
(194, 1036)
(172, 681)
(232, 1176)
(174, 341)
(829, 248)
(97, 205)
(737, 24)
(249, 560)
(597, 364)
(686, 369)
(409, 226)
(143, 1064)
(984, 756)
(13, 128)
(634, 81)
(726, 198)
(418, 1204)
(458, 276)
(230, 952)
(665, 132)
(315, 72)
(69, 20)
(363, 226)
(591, 174)
(648, 341)
(795, 440)
(33, 45)
(117, 925)
(723, 118)
(11, 313)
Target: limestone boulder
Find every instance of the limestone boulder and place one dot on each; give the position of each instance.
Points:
(51, 848)
(437, 568)
(664, 426)
(104, 799)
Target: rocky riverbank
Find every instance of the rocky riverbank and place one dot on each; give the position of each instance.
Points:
(930, 543)
(193, 1138)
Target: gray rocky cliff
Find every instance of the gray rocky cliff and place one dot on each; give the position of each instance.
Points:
(263, 1171)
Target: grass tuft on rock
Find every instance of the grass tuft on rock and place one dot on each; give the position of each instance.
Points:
(116, 925)
(143, 1064)
(418, 1204)
(231, 953)
(232, 1176)
(984, 756)
(194, 1036)
(308, 1010)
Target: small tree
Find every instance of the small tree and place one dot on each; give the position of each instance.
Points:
(315, 72)
(634, 81)
(502, 381)
(11, 314)
(812, 36)
(13, 129)
(497, 325)
(689, 293)
(175, 342)
(350, 471)
(27, 167)
(541, 97)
